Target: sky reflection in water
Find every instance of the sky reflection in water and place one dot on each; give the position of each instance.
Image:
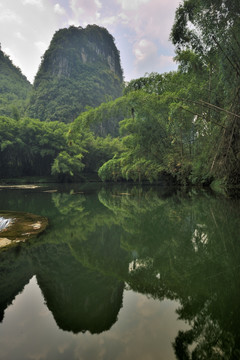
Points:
(145, 329)
(122, 274)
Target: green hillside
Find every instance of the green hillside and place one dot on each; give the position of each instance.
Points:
(80, 68)
(14, 88)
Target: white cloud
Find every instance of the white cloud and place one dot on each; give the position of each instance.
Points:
(20, 36)
(144, 49)
(148, 18)
(141, 29)
(73, 22)
(41, 46)
(85, 12)
(37, 3)
(131, 4)
(124, 19)
(8, 15)
(26, 28)
(109, 20)
(58, 9)
(147, 25)
(98, 4)
(159, 18)
(148, 59)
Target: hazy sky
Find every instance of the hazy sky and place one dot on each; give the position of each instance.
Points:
(141, 30)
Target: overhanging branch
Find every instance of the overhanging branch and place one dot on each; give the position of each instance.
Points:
(211, 106)
(203, 117)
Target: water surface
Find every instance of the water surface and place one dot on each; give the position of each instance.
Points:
(122, 273)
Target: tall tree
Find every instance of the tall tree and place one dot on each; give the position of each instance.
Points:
(210, 30)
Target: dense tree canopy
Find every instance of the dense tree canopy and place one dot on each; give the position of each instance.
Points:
(29, 146)
(184, 124)
(208, 31)
(14, 88)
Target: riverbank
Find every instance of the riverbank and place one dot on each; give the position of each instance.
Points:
(33, 182)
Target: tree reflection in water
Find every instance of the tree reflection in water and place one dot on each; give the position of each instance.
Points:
(179, 246)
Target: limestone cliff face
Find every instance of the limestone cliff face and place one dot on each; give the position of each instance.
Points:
(62, 66)
(75, 46)
(80, 68)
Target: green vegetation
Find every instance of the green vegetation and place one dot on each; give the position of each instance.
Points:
(206, 38)
(182, 125)
(29, 146)
(80, 68)
(14, 88)
(188, 125)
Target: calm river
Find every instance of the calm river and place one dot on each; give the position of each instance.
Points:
(122, 273)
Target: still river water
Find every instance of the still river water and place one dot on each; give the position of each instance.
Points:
(122, 273)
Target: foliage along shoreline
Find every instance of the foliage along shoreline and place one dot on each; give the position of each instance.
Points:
(184, 125)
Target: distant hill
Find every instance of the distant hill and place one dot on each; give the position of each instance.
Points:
(14, 88)
(81, 68)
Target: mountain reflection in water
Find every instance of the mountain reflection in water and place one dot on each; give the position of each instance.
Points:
(181, 247)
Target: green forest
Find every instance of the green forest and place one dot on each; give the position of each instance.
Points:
(79, 120)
